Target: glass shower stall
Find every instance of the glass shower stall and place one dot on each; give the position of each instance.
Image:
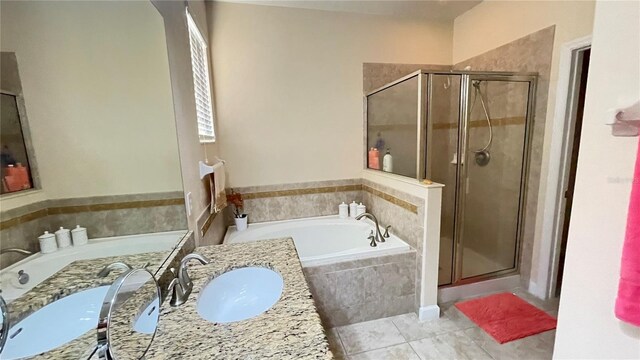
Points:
(469, 131)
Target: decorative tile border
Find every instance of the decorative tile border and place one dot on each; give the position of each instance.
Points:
(114, 206)
(23, 219)
(329, 189)
(207, 223)
(304, 191)
(518, 120)
(392, 199)
(74, 209)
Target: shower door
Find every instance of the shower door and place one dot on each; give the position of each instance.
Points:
(492, 164)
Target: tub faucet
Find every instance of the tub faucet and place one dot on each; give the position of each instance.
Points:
(16, 250)
(379, 237)
(181, 285)
(386, 231)
(372, 239)
(113, 266)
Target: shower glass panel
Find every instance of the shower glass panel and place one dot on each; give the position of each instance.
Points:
(392, 120)
(444, 115)
(493, 176)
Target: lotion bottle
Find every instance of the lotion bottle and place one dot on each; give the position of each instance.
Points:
(387, 162)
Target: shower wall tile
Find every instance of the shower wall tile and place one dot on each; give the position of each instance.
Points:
(363, 290)
(531, 53)
(376, 75)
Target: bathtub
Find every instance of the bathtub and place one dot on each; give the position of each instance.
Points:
(322, 240)
(41, 266)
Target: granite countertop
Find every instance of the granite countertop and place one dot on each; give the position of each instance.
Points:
(291, 329)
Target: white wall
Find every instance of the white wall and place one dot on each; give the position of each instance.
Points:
(95, 79)
(494, 23)
(288, 86)
(587, 327)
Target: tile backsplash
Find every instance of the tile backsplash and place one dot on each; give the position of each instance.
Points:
(103, 216)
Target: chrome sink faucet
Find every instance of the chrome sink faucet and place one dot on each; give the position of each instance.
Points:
(181, 285)
(379, 237)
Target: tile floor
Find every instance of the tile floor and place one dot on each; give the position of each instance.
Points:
(453, 336)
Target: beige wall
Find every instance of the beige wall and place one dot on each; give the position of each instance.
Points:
(191, 151)
(587, 327)
(288, 86)
(495, 23)
(95, 79)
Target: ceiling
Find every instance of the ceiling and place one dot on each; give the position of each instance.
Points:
(423, 9)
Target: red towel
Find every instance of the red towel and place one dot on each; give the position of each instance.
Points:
(628, 301)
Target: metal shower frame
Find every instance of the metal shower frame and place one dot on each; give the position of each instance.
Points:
(424, 151)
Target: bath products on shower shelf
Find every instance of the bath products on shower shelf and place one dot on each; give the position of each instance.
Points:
(387, 161)
(343, 210)
(353, 209)
(79, 236)
(47, 243)
(360, 209)
(63, 238)
(374, 159)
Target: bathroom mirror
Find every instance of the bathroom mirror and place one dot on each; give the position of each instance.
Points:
(129, 316)
(88, 93)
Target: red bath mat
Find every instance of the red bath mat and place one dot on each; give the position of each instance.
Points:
(506, 317)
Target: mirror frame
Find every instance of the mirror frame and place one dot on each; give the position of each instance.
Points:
(106, 311)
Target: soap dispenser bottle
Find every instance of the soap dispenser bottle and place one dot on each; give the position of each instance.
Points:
(387, 161)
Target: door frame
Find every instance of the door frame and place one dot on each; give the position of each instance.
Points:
(561, 133)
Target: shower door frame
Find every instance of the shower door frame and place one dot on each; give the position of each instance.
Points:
(421, 118)
(425, 151)
(461, 172)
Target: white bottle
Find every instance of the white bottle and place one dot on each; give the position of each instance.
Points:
(47, 243)
(387, 162)
(361, 209)
(63, 237)
(79, 236)
(343, 210)
(353, 209)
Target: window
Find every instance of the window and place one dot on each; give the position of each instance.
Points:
(201, 84)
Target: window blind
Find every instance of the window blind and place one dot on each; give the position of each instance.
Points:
(201, 84)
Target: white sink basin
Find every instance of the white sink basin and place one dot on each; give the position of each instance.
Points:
(55, 324)
(240, 294)
(147, 321)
